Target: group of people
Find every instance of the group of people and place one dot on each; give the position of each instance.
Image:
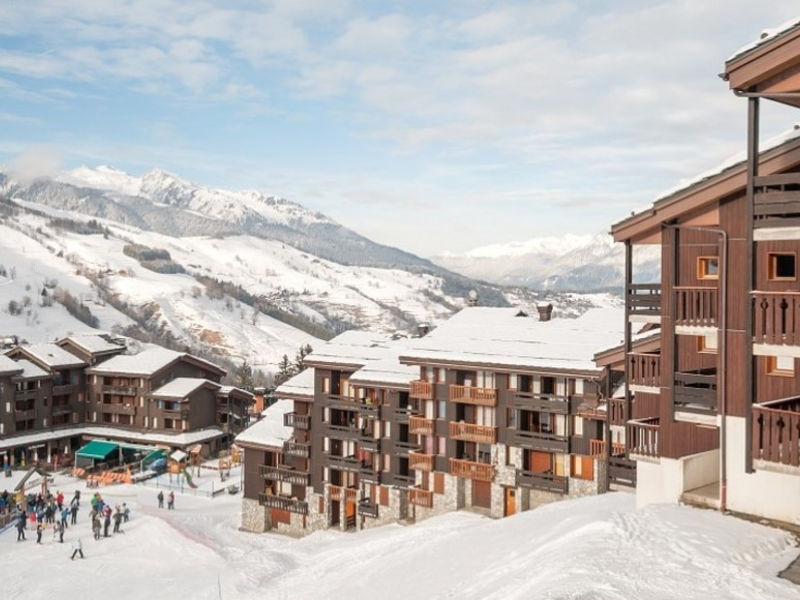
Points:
(170, 500)
(46, 510)
(102, 515)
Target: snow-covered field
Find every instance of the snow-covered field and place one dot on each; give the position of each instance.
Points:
(598, 547)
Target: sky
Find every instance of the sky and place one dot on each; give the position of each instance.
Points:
(431, 126)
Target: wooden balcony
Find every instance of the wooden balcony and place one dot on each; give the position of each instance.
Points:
(641, 437)
(696, 306)
(300, 449)
(777, 200)
(419, 497)
(20, 395)
(369, 410)
(695, 392)
(776, 431)
(470, 432)
(598, 448)
(115, 408)
(339, 493)
(291, 505)
(420, 461)
(644, 299)
(776, 318)
(471, 469)
(369, 473)
(169, 413)
(535, 440)
(622, 471)
(406, 480)
(403, 447)
(420, 426)
(367, 441)
(473, 395)
(343, 432)
(347, 463)
(120, 390)
(421, 389)
(540, 402)
(644, 369)
(25, 415)
(62, 390)
(338, 402)
(285, 473)
(616, 407)
(297, 421)
(368, 508)
(542, 481)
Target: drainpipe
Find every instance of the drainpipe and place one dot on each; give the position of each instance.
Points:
(723, 388)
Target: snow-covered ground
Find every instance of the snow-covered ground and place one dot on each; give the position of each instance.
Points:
(597, 547)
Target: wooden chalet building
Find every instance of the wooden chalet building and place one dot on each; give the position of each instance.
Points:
(495, 411)
(718, 422)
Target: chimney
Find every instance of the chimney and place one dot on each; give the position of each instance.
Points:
(472, 298)
(423, 329)
(545, 311)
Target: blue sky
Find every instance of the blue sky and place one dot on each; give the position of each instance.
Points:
(428, 126)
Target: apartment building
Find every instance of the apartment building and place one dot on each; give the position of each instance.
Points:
(496, 410)
(52, 399)
(722, 385)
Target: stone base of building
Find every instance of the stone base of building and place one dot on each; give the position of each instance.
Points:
(254, 516)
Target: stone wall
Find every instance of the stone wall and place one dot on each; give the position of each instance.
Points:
(254, 516)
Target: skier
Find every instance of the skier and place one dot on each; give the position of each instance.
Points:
(73, 511)
(160, 499)
(117, 520)
(39, 528)
(96, 526)
(21, 527)
(77, 498)
(126, 512)
(77, 548)
(60, 500)
(171, 501)
(58, 529)
(64, 516)
(106, 520)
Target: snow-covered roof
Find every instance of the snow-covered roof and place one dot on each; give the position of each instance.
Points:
(767, 35)
(178, 439)
(301, 384)
(178, 455)
(147, 362)
(269, 430)
(387, 371)
(52, 355)
(180, 387)
(497, 337)
(93, 344)
(8, 365)
(30, 370)
(355, 348)
(224, 390)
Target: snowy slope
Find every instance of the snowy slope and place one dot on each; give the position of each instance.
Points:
(568, 262)
(598, 548)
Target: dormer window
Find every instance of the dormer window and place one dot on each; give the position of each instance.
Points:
(708, 267)
(781, 266)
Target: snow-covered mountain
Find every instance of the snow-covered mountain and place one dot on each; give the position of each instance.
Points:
(568, 262)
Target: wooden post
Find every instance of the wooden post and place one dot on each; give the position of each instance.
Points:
(752, 173)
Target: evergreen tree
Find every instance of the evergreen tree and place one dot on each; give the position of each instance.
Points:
(243, 378)
(285, 370)
(302, 352)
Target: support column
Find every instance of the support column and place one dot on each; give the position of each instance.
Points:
(752, 173)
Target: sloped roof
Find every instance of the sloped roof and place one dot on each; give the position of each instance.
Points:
(30, 370)
(767, 36)
(301, 384)
(93, 344)
(269, 430)
(180, 387)
(8, 366)
(52, 355)
(352, 348)
(387, 371)
(490, 336)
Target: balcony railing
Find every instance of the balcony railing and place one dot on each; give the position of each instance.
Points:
(696, 392)
(368, 508)
(641, 437)
(470, 432)
(339, 402)
(471, 469)
(542, 481)
(62, 390)
(25, 415)
(120, 390)
(26, 394)
(297, 421)
(540, 402)
(776, 431)
(777, 200)
(473, 395)
(617, 409)
(420, 426)
(369, 473)
(776, 318)
(349, 432)
(405, 480)
(696, 306)
(367, 441)
(300, 449)
(535, 440)
(420, 497)
(169, 413)
(598, 448)
(404, 447)
(291, 505)
(348, 463)
(121, 409)
(644, 369)
(421, 389)
(420, 461)
(644, 299)
(285, 473)
(370, 410)
(339, 493)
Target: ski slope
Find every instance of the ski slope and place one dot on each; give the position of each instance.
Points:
(589, 548)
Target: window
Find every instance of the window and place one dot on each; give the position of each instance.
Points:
(707, 267)
(780, 267)
(780, 365)
(707, 344)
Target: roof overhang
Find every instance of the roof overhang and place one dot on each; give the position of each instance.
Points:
(500, 367)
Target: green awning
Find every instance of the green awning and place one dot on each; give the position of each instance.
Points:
(98, 450)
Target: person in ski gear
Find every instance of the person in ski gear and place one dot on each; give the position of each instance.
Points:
(73, 511)
(160, 499)
(171, 501)
(117, 519)
(77, 548)
(39, 528)
(96, 526)
(21, 527)
(106, 520)
(126, 512)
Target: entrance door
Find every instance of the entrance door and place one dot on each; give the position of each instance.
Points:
(334, 508)
(350, 511)
(511, 502)
(481, 494)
